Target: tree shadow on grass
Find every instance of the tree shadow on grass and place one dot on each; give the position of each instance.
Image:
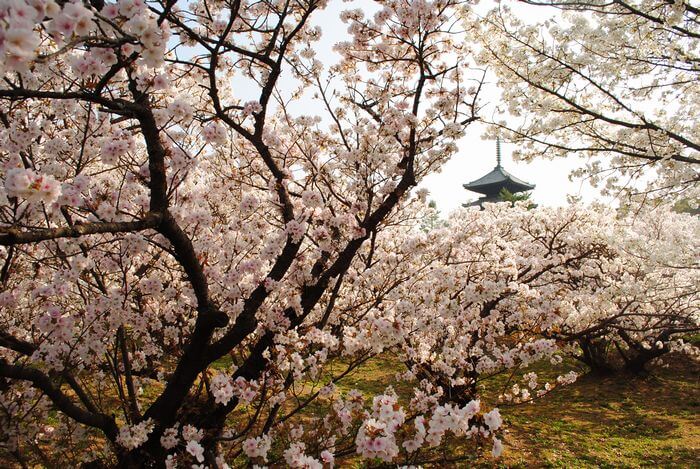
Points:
(612, 421)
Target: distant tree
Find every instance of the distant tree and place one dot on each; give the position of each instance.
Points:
(615, 81)
(431, 219)
(507, 287)
(507, 196)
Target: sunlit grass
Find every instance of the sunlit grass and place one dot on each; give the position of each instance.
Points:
(614, 421)
(617, 421)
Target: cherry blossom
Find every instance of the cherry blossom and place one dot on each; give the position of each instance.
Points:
(33, 187)
(627, 113)
(134, 436)
(191, 263)
(196, 450)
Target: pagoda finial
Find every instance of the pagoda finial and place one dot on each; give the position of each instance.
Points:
(498, 152)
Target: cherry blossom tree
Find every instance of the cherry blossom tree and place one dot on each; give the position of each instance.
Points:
(645, 303)
(505, 288)
(179, 262)
(502, 273)
(616, 82)
(186, 270)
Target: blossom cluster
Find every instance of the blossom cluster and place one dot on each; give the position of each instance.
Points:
(160, 221)
(133, 436)
(376, 437)
(32, 186)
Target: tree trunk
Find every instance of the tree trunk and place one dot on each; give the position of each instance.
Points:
(594, 353)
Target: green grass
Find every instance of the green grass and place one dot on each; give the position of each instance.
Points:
(608, 422)
(616, 421)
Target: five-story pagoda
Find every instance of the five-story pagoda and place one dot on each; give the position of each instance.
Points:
(494, 182)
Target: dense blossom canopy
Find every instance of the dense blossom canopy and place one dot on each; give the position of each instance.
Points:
(616, 82)
(185, 271)
(506, 287)
(174, 252)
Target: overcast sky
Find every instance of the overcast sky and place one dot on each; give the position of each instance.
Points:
(476, 156)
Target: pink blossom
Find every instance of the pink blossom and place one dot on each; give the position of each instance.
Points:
(110, 11)
(214, 133)
(497, 449)
(196, 450)
(26, 184)
(251, 107)
(493, 420)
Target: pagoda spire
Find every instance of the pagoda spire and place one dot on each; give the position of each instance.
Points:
(498, 152)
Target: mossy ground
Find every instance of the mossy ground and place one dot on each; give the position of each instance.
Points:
(615, 421)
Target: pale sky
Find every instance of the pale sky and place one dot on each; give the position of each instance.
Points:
(476, 157)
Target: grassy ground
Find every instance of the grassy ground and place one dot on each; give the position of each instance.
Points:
(606, 422)
(611, 422)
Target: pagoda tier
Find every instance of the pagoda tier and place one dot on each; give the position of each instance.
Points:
(494, 182)
(498, 179)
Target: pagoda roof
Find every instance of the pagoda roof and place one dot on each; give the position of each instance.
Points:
(496, 180)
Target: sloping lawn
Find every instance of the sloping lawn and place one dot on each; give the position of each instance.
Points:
(618, 421)
(614, 421)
